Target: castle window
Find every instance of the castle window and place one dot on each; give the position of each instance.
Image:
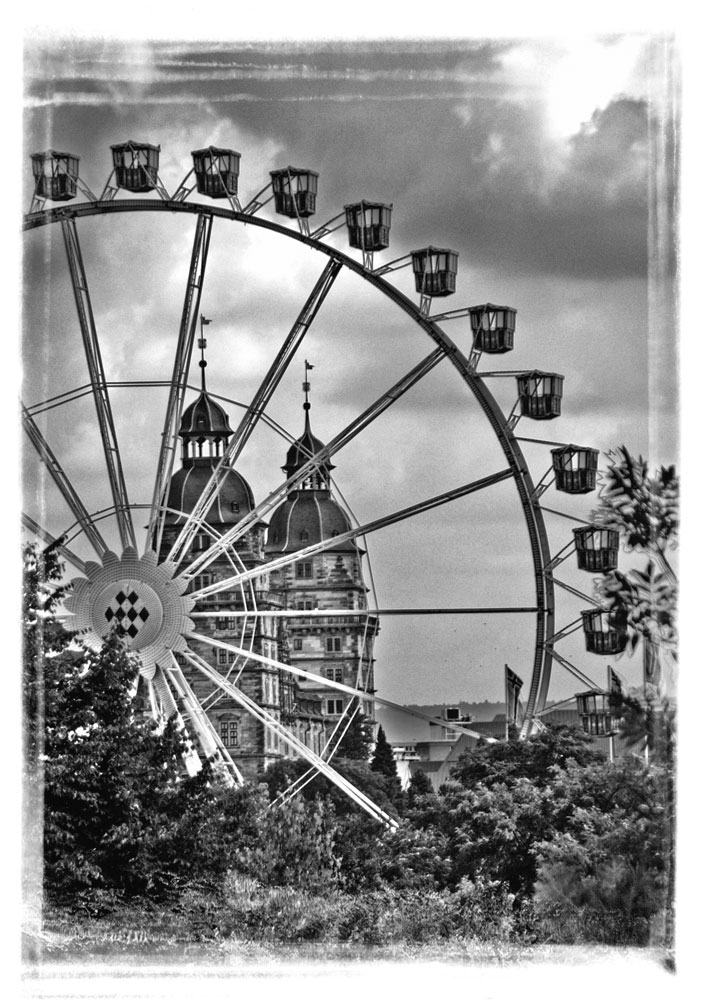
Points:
(235, 507)
(229, 732)
(201, 542)
(223, 657)
(297, 644)
(304, 570)
(230, 623)
(335, 674)
(333, 644)
(220, 623)
(304, 536)
(334, 706)
(334, 534)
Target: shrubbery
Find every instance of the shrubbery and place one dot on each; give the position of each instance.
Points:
(539, 840)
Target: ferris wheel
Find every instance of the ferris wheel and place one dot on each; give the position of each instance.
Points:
(119, 542)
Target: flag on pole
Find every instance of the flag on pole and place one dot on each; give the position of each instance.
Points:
(652, 672)
(205, 322)
(307, 366)
(615, 692)
(614, 684)
(513, 686)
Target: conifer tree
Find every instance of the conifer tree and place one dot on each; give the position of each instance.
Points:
(383, 760)
(356, 741)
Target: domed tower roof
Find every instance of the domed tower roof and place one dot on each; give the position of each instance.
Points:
(307, 517)
(234, 499)
(205, 418)
(205, 430)
(309, 514)
(302, 450)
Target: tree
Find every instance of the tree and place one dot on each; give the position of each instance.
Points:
(644, 510)
(383, 760)
(383, 763)
(604, 873)
(41, 635)
(491, 763)
(419, 786)
(356, 742)
(119, 809)
(113, 808)
(498, 806)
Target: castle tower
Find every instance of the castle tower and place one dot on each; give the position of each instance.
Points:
(204, 433)
(336, 647)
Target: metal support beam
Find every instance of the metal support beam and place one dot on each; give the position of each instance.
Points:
(211, 743)
(371, 613)
(257, 407)
(578, 593)
(373, 698)
(570, 667)
(343, 438)
(345, 536)
(46, 536)
(63, 483)
(98, 382)
(287, 737)
(180, 375)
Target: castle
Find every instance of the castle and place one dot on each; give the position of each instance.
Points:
(334, 647)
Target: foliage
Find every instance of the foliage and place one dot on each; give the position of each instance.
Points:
(539, 837)
(514, 813)
(644, 510)
(356, 742)
(493, 831)
(122, 818)
(606, 872)
(383, 761)
(42, 636)
(490, 763)
(649, 720)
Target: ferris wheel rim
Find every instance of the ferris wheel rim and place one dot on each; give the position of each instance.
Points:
(532, 511)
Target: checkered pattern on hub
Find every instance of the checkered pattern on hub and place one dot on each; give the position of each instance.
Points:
(127, 608)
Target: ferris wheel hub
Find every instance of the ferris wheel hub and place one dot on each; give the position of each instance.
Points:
(137, 598)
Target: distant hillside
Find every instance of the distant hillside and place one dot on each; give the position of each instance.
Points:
(402, 728)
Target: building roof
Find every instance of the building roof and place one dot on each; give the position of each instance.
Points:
(204, 418)
(305, 518)
(300, 451)
(234, 500)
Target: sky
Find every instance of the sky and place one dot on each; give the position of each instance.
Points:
(545, 162)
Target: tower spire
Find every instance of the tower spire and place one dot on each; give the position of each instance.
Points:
(201, 344)
(306, 389)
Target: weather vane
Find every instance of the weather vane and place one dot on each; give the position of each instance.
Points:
(306, 385)
(201, 344)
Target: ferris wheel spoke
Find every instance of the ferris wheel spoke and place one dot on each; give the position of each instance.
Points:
(571, 668)
(270, 722)
(46, 536)
(255, 410)
(395, 392)
(164, 707)
(210, 741)
(180, 374)
(288, 668)
(382, 522)
(62, 481)
(98, 383)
